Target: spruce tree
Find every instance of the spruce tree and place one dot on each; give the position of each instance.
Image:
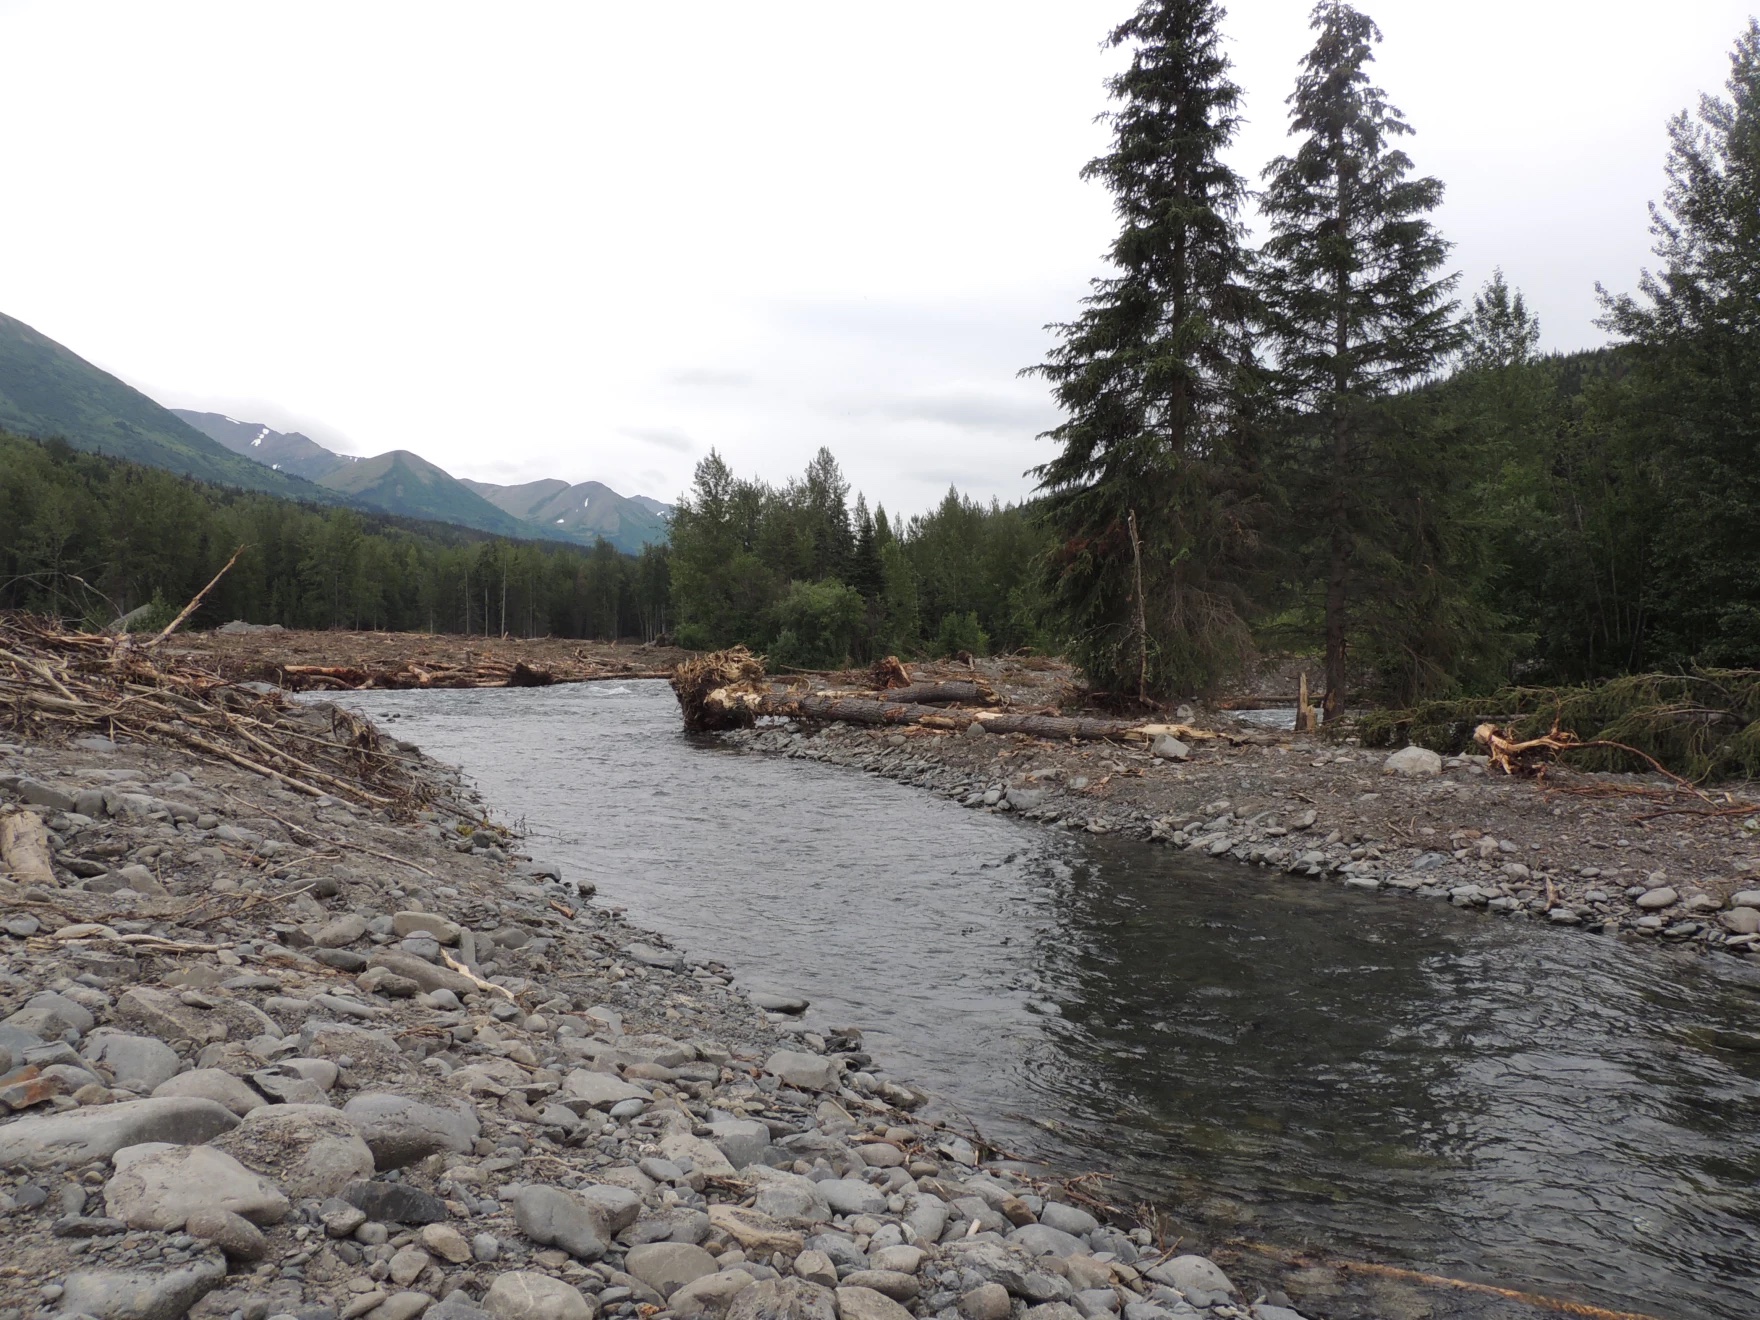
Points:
(1150, 499)
(1695, 338)
(1354, 309)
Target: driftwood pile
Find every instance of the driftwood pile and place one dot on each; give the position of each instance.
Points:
(730, 690)
(53, 681)
(402, 675)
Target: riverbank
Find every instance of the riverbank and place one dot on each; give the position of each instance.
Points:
(1630, 856)
(276, 1054)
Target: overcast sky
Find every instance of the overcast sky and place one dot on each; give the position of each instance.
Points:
(593, 239)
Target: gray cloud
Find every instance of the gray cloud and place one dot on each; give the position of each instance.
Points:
(975, 410)
(677, 441)
(709, 378)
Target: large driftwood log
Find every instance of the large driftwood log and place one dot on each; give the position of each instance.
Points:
(866, 710)
(939, 694)
(24, 848)
(729, 690)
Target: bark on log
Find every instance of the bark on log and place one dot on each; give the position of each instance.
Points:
(866, 710)
(938, 694)
(24, 848)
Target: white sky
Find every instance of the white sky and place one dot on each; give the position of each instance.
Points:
(592, 239)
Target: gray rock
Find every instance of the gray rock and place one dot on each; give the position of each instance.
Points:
(424, 973)
(139, 1294)
(97, 1133)
(400, 1306)
(426, 923)
(285, 1085)
(618, 1206)
(552, 1217)
(778, 1001)
(896, 1284)
(233, 1234)
(784, 1299)
(668, 1266)
(1192, 1274)
(1168, 748)
(456, 1307)
(137, 1063)
(311, 1151)
(988, 1301)
(849, 1196)
(1068, 1219)
(649, 956)
(50, 1016)
(528, 1296)
(709, 1297)
(1264, 1312)
(340, 931)
(743, 1140)
(38, 794)
(1748, 898)
(859, 1303)
(1741, 921)
(1413, 763)
(790, 1197)
(159, 1186)
(1095, 1303)
(1043, 1240)
(395, 1203)
(806, 1072)
(400, 1131)
(1655, 899)
(597, 1090)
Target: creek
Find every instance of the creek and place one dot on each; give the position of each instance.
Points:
(1368, 1076)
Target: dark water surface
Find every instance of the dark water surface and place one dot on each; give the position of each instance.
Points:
(1364, 1075)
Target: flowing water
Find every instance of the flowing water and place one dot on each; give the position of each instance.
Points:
(1367, 1076)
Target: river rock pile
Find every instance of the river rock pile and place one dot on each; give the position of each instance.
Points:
(268, 1056)
(1411, 822)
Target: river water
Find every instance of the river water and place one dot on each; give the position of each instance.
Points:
(1364, 1076)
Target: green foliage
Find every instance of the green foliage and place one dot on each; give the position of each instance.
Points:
(961, 632)
(1151, 378)
(1691, 426)
(157, 616)
(90, 537)
(1703, 725)
(789, 572)
(820, 625)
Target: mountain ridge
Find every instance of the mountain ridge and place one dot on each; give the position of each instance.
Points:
(49, 392)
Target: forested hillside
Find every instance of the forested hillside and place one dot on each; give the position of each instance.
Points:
(91, 537)
(48, 390)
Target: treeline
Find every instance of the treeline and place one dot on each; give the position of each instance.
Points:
(89, 538)
(799, 573)
(1313, 443)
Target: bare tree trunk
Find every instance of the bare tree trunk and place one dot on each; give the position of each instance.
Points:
(1140, 616)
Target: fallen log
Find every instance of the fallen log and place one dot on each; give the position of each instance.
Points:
(943, 694)
(24, 848)
(729, 690)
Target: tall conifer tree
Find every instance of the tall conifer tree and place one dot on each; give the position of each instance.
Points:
(1354, 305)
(1696, 341)
(1148, 376)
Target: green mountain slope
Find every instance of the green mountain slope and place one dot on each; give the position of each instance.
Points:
(522, 501)
(47, 390)
(585, 512)
(285, 451)
(404, 483)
